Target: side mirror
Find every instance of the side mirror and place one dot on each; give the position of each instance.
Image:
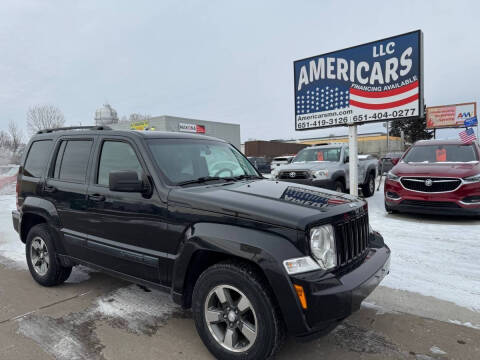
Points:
(394, 160)
(125, 181)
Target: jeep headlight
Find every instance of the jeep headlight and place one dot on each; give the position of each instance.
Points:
(472, 179)
(322, 245)
(321, 174)
(392, 176)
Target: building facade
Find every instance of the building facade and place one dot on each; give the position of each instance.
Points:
(370, 143)
(225, 131)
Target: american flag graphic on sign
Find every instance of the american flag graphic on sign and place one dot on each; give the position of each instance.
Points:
(467, 136)
(381, 100)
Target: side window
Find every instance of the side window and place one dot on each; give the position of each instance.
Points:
(116, 156)
(347, 156)
(72, 160)
(37, 158)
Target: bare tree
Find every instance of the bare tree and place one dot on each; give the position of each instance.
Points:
(4, 140)
(41, 117)
(123, 120)
(16, 136)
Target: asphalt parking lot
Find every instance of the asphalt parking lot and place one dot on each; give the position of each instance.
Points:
(95, 316)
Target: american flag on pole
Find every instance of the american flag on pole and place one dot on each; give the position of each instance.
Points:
(387, 99)
(467, 136)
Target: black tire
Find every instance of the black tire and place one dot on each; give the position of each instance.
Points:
(269, 327)
(388, 209)
(339, 187)
(55, 273)
(368, 189)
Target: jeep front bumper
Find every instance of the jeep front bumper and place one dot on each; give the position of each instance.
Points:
(334, 296)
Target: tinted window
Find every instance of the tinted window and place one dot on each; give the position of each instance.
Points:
(74, 162)
(188, 160)
(116, 156)
(318, 154)
(441, 153)
(37, 158)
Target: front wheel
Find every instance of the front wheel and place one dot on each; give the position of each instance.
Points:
(368, 189)
(388, 209)
(235, 314)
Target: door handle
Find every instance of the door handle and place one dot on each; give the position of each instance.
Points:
(96, 197)
(49, 189)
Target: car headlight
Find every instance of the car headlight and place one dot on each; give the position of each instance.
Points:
(322, 244)
(323, 173)
(472, 179)
(392, 176)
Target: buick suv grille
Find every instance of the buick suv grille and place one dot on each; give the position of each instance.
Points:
(430, 185)
(352, 239)
(294, 174)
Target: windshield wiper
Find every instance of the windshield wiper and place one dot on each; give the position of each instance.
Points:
(200, 180)
(245, 176)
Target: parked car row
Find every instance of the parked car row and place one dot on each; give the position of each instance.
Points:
(327, 166)
(263, 165)
(432, 176)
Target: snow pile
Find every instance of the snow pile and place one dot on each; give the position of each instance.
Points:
(467, 324)
(12, 250)
(8, 179)
(136, 309)
(431, 255)
(437, 351)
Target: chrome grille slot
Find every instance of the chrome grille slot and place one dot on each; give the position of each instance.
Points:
(351, 239)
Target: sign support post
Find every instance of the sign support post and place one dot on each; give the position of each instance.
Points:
(353, 161)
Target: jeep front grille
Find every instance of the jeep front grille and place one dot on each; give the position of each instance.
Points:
(352, 239)
(430, 185)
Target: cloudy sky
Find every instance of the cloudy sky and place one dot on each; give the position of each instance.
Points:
(214, 60)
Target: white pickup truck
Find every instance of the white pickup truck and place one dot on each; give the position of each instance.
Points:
(326, 166)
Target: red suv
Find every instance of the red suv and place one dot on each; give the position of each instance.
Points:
(438, 177)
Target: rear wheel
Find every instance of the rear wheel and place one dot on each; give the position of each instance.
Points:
(235, 314)
(41, 257)
(339, 187)
(368, 189)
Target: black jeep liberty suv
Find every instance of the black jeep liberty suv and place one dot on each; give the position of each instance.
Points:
(255, 259)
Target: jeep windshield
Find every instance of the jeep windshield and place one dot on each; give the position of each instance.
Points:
(451, 153)
(318, 154)
(189, 161)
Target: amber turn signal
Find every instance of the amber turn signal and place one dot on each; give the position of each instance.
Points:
(301, 295)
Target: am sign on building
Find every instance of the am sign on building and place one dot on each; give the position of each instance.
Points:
(377, 81)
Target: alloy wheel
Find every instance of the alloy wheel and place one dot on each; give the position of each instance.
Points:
(231, 318)
(39, 256)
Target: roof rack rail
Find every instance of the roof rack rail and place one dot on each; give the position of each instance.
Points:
(102, 127)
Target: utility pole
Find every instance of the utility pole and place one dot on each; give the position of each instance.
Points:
(353, 162)
(388, 137)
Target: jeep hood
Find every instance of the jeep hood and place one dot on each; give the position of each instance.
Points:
(446, 169)
(274, 202)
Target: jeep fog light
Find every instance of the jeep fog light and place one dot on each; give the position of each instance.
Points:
(322, 244)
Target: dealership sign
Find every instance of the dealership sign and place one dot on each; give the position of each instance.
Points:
(194, 128)
(456, 115)
(378, 81)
